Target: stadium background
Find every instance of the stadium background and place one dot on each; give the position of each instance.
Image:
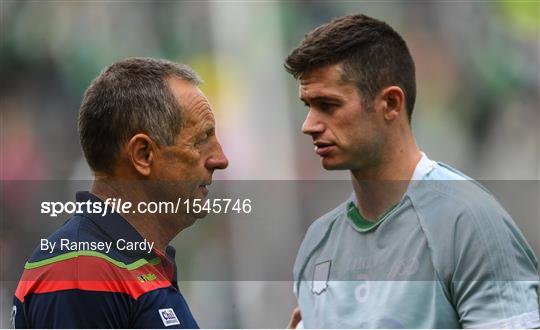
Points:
(477, 108)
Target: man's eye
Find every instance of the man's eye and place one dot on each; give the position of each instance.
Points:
(201, 139)
(205, 137)
(326, 106)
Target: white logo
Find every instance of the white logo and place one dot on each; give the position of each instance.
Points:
(320, 277)
(168, 317)
(361, 292)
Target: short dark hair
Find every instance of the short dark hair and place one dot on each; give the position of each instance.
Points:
(129, 97)
(372, 54)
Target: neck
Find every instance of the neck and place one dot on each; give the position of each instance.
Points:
(380, 187)
(152, 227)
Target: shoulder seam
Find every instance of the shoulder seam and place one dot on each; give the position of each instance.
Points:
(469, 209)
(429, 240)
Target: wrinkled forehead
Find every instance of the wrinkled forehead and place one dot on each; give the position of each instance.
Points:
(197, 109)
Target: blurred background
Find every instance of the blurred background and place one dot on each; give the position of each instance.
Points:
(478, 109)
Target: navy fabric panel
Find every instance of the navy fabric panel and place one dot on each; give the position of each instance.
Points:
(75, 309)
(146, 314)
(90, 309)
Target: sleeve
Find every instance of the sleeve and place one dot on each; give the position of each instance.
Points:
(18, 315)
(495, 279)
(72, 309)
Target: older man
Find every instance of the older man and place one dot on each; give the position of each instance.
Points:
(148, 134)
(418, 244)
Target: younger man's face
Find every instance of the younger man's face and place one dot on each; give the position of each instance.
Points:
(346, 135)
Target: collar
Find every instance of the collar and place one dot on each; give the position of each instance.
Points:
(424, 166)
(116, 227)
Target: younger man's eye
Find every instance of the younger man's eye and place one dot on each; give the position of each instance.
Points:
(326, 106)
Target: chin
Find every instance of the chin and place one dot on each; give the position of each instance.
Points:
(331, 165)
(199, 215)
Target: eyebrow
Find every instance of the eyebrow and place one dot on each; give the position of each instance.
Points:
(208, 127)
(332, 98)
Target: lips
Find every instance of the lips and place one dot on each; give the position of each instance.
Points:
(323, 148)
(204, 187)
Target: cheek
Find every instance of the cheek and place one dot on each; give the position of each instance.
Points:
(348, 131)
(189, 156)
(181, 164)
(357, 133)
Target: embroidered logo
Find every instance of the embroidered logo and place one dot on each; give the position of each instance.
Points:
(168, 317)
(320, 277)
(147, 277)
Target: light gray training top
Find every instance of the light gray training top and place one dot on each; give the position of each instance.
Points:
(446, 256)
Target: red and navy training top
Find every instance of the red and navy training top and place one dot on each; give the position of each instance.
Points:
(99, 289)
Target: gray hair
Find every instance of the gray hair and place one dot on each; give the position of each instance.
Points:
(129, 97)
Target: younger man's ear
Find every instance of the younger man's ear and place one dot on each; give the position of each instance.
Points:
(392, 100)
(141, 153)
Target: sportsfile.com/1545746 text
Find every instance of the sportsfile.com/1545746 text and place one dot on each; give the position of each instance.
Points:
(117, 205)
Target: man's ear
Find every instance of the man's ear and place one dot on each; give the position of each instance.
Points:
(392, 101)
(141, 152)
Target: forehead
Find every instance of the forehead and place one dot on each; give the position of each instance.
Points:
(195, 106)
(326, 81)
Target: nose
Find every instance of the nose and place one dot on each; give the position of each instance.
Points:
(218, 160)
(312, 125)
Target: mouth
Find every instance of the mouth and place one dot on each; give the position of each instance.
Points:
(323, 148)
(204, 187)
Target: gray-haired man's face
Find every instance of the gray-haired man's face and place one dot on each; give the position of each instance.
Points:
(196, 153)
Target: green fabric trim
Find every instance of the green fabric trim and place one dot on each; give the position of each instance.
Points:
(75, 254)
(362, 223)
